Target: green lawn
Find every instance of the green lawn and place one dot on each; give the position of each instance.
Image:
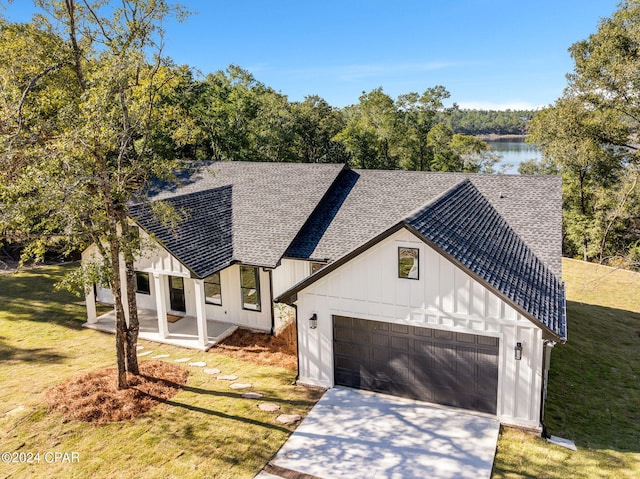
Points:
(594, 385)
(208, 430)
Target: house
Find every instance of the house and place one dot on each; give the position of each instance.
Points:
(442, 287)
(223, 264)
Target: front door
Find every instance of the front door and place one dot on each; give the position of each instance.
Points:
(176, 293)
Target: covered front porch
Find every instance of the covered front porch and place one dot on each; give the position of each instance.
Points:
(182, 332)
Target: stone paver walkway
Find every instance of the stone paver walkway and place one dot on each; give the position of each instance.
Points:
(240, 386)
(268, 407)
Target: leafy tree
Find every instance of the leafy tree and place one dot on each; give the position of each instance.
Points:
(544, 166)
(382, 133)
(371, 134)
(225, 107)
(315, 124)
(240, 118)
(360, 142)
(444, 157)
(418, 115)
(476, 154)
(81, 133)
(591, 135)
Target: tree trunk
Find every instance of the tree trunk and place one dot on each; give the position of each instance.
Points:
(116, 282)
(134, 326)
(121, 325)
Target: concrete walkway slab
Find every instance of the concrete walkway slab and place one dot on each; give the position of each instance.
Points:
(357, 434)
(182, 333)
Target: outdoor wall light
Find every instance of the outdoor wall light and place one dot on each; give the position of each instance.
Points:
(313, 321)
(518, 351)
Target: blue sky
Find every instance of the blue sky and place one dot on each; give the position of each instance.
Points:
(487, 53)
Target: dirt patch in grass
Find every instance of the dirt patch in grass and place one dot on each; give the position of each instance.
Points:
(93, 397)
(262, 348)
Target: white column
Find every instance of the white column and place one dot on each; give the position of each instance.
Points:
(161, 305)
(123, 292)
(90, 300)
(201, 313)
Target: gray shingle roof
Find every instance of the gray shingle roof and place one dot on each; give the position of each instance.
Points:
(464, 225)
(203, 240)
(364, 203)
(262, 208)
(504, 229)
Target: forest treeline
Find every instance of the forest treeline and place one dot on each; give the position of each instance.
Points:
(86, 123)
(489, 122)
(230, 116)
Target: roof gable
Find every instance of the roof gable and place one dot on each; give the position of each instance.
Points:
(203, 239)
(464, 225)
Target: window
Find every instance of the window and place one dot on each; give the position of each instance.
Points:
(250, 286)
(408, 259)
(212, 289)
(142, 283)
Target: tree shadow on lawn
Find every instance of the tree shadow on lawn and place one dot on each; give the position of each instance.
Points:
(594, 386)
(30, 295)
(10, 352)
(313, 393)
(222, 415)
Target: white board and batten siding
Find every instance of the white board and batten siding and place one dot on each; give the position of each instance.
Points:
(157, 260)
(288, 273)
(444, 297)
(231, 310)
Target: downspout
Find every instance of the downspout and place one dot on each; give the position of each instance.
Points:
(271, 303)
(295, 320)
(543, 392)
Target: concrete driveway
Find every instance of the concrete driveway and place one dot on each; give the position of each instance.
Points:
(357, 434)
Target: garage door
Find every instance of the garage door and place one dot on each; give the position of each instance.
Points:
(443, 367)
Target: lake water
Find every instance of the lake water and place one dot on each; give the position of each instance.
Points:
(513, 151)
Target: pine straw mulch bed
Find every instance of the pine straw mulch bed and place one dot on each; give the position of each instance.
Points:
(93, 397)
(262, 348)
